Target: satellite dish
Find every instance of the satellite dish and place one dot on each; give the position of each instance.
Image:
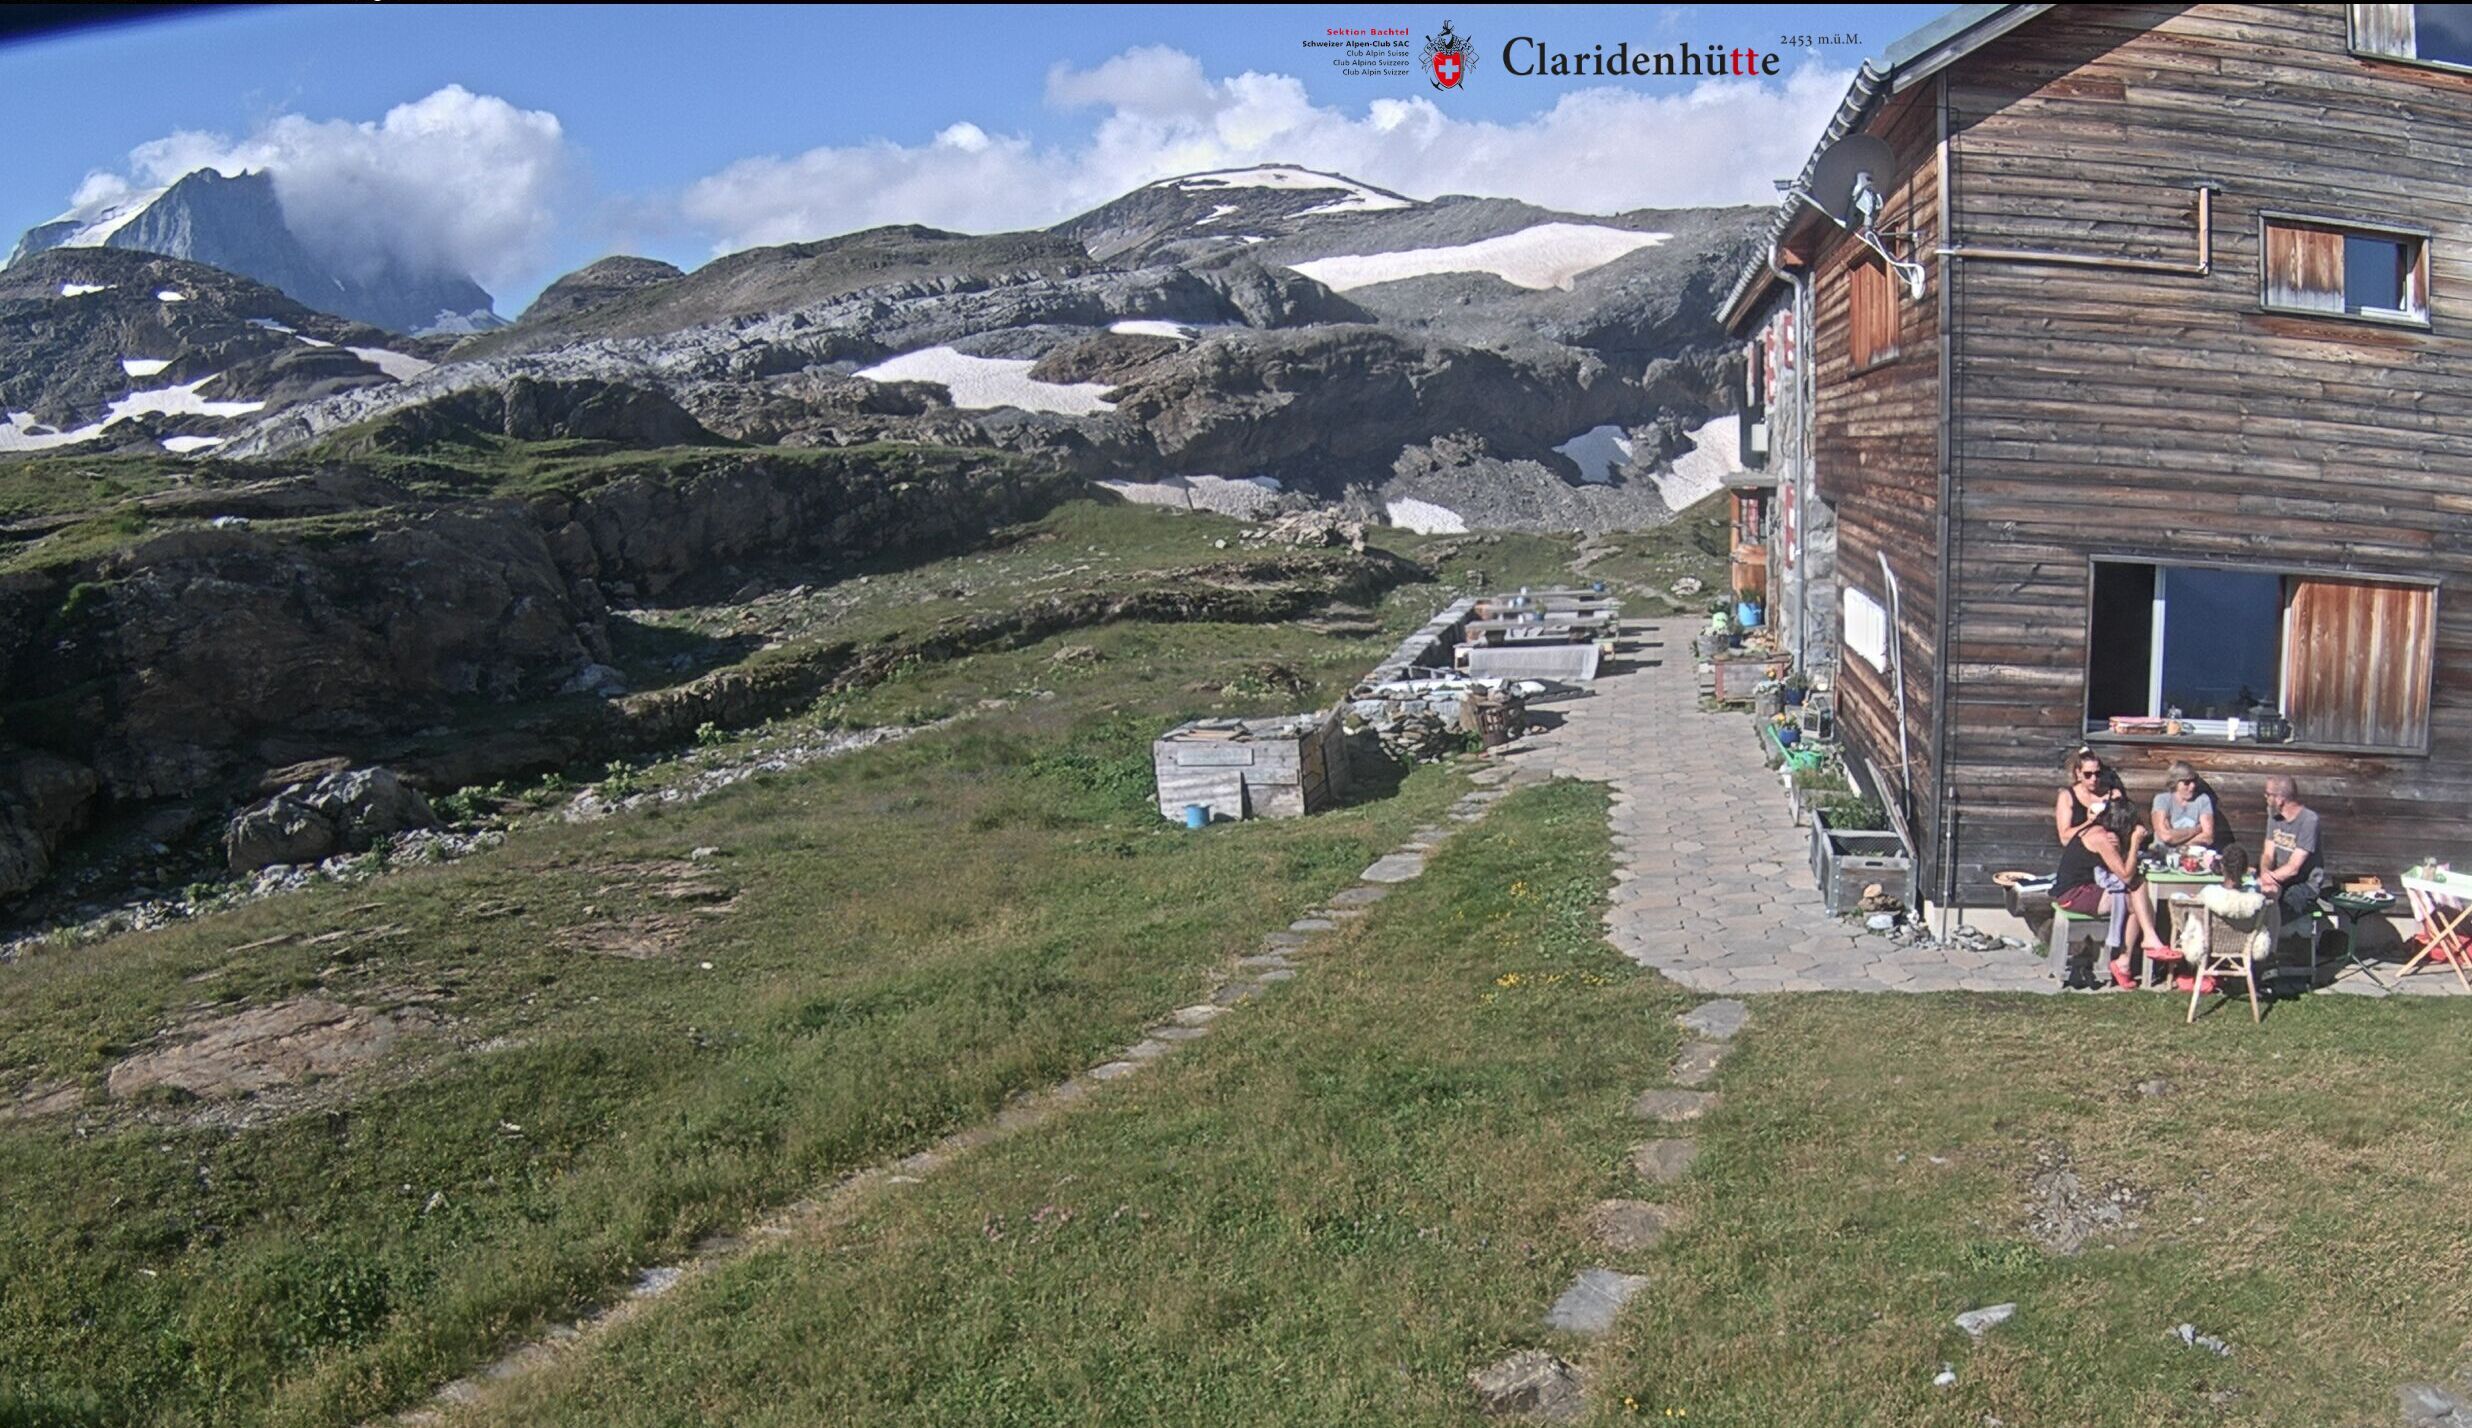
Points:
(1845, 185)
(1853, 164)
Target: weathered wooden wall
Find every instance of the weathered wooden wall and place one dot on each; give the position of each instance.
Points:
(1875, 458)
(2105, 413)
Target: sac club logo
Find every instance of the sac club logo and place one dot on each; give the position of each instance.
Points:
(1448, 58)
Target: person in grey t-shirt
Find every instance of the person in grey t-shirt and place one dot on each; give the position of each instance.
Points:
(2183, 816)
(2291, 868)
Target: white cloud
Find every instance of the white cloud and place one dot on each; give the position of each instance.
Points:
(1600, 150)
(458, 181)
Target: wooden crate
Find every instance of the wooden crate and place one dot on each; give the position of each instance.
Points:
(1252, 768)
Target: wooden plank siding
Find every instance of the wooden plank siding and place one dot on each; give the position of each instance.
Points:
(1876, 460)
(2106, 413)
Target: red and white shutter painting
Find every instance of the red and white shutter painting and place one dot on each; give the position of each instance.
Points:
(1780, 351)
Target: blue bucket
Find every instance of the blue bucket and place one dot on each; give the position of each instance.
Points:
(1197, 815)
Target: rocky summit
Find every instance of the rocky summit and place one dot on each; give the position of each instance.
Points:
(237, 224)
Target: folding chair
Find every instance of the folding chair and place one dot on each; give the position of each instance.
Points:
(2445, 917)
(2215, 962)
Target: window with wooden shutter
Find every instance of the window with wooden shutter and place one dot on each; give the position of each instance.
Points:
(1871, 312)
(2358, 656)
(2205, 652)
(2374, 273)
(2423, 34)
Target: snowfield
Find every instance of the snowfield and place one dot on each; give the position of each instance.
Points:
(23, 433)
(983, 383)
(1357, 197)
(98, 222)
(1549, 255)
(81, 289)
(1425, 518)
(144, 366)
(1244, 499)
(1153, 327)
(1716, 452)
(190, 445)
(398, 365)
(1599, 453)
(171, 295)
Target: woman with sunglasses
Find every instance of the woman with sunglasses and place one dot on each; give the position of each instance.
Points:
(2092, 786)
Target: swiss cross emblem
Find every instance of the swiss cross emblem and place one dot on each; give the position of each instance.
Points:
(1449, 55)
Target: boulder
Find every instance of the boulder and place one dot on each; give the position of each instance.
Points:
(43, 799)
(338, 812)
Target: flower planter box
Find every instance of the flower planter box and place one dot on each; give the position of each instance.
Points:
(1846, 861)
(1737, 678)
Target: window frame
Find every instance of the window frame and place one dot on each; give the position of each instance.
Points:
(2421, 750)
(2351, 42)
(2269, 219)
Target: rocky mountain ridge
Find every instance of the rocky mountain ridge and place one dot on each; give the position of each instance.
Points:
(237, 224)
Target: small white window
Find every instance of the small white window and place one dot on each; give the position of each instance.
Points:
(1866, 628)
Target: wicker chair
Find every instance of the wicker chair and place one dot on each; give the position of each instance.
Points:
(2227, 954)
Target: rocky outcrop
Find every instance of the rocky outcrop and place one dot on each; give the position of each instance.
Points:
(83, 329)
(531, 409)
(338, 813)
(43, 799)
(186, 661)
(597, 285)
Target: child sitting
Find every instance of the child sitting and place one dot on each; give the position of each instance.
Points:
(2231, 902)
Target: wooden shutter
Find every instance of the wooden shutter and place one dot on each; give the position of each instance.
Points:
(1871, 309)
(2357, 658)
(2304, 268)
(2383, 30)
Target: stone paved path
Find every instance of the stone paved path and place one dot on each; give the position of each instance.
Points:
(1713, 886)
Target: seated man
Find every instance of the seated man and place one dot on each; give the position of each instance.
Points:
(2291, 868)
(2184, 814)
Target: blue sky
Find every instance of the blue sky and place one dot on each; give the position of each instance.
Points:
(521, 142)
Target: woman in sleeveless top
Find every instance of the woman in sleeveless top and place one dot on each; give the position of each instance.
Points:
(2098, 875)
(2091, 785)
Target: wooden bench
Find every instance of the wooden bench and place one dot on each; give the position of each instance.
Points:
(2070, 928)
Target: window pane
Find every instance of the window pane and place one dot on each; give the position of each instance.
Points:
(2372, 273)
(2222, 641)
(2443, 33)
(2120, 654)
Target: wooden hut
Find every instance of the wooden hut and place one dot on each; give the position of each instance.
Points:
(2172, 452)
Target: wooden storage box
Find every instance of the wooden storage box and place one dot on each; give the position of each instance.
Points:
(1252, 768)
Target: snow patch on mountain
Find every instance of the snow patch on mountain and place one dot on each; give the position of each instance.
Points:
(1244, 499)
(1716, 453)
(1599, 453)
(1549, 255)
(1425, 518)
(1358, 198)
(23, 433)
(144, 366)
(190, 445)
(98, 221)
(81, 289)
(983, 383)
(400, 366)
(171, 295)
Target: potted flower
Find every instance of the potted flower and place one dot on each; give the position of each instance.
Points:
(1797, 688)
